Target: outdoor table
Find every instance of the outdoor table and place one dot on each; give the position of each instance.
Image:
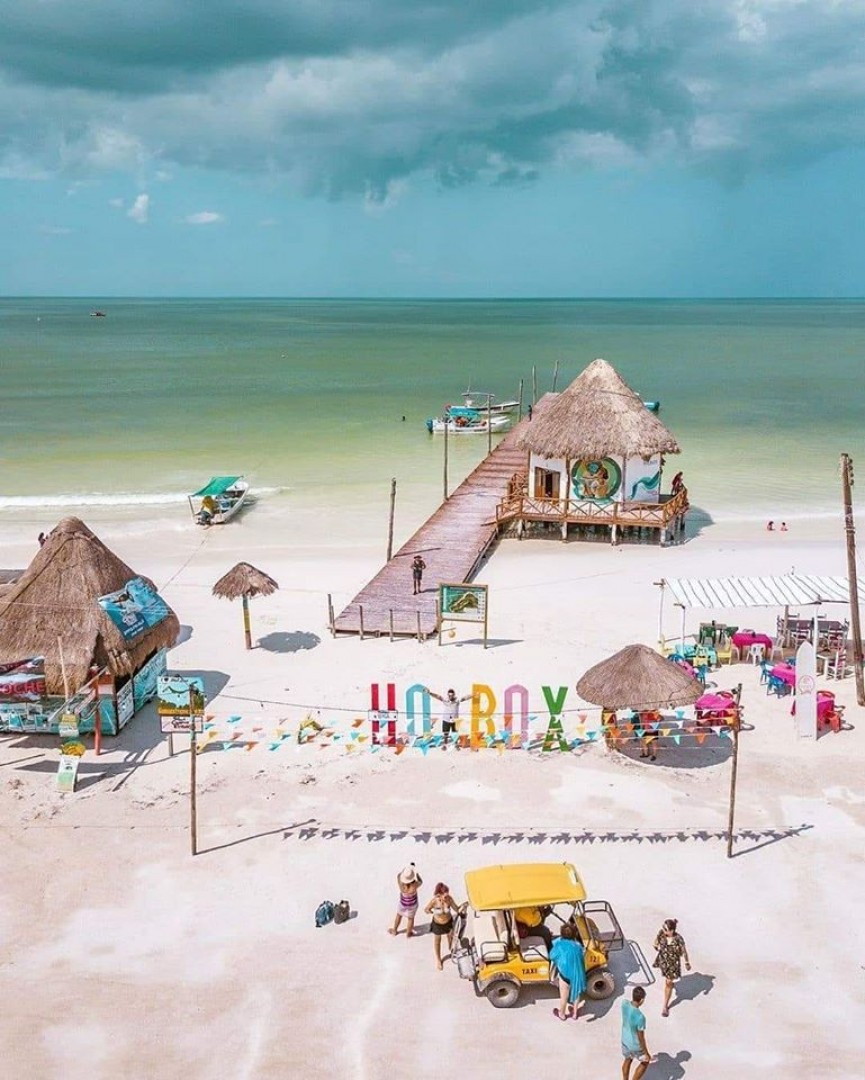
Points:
(785, 672)
(825, 706)
(743, 638)
(715, 707)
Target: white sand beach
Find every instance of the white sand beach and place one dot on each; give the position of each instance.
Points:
(123, 956)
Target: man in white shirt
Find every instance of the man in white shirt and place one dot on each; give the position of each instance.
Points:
(450, 714)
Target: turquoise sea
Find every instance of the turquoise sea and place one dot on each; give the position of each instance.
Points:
(306, 397)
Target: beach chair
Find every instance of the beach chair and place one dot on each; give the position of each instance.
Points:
(777, 687)
(765, 672)
(724, 652)
(837, 666)
(756, 652)
(777, 648)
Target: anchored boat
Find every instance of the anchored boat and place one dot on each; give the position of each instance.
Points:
(461, 420)
(219, 500)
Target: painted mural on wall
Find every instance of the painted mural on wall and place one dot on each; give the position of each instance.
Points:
(643, 479)
(598, 478)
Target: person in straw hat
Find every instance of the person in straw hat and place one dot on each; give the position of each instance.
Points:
(408, 881)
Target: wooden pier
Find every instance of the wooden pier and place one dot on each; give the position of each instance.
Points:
(452, 543)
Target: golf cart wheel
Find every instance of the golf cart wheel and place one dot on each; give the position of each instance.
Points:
(502, 993)
(600, 984)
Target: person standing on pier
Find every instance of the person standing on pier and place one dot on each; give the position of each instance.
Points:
(417, 568)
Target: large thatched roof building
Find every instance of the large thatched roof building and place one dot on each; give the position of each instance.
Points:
(597, 416)
(595, 458)
(55, 601)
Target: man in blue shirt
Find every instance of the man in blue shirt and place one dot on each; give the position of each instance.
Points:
(634, 1035)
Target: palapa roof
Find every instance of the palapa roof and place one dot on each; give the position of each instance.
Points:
(244, 580)
(596, 416)
(56, 598)
(638, 677)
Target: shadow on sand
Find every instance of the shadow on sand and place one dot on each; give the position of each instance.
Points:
(289, 641)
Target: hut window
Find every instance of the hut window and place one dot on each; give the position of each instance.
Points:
(547, 484)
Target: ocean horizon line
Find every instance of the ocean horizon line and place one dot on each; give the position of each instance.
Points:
(383, 299)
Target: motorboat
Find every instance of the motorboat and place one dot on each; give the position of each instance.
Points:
(97, 314)
(219, 500)
(461, 420)
(472, 399)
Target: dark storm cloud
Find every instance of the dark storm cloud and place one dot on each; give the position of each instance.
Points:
(341, 96)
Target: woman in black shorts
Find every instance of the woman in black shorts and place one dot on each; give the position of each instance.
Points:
(442, 908)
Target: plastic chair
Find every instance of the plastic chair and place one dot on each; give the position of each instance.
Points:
(777, 648)
(777, 687)
(724, 652)
(765, 672)
(756, 652)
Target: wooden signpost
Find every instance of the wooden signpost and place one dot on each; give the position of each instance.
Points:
(734, 771)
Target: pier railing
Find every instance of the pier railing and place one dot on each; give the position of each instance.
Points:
(518, 505)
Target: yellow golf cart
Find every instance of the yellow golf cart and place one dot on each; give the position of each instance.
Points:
(500, 962)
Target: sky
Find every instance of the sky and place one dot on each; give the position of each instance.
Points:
(432, 148)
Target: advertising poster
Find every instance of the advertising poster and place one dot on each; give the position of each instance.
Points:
(23, 680)
(176, 694)
(134, 608)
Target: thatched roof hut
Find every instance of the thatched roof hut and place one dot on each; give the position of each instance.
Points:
(638, 677)
(596, 416)
(244, 580)
(56, 598)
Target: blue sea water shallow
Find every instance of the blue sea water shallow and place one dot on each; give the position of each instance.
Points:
(124, 415)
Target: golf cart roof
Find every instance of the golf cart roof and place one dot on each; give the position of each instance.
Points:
(523, 885)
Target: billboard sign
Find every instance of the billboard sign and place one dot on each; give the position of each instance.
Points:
(134, 608)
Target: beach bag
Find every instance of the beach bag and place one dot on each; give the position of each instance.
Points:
(324, 913)
(342, 912)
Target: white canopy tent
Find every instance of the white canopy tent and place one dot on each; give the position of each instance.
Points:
(786, 591)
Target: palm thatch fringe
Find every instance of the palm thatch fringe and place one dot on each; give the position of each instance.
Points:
(639, 678)
(596, 416)
(56, 599)
(244, 580)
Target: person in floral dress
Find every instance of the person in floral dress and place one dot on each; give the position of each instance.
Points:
(671, 949)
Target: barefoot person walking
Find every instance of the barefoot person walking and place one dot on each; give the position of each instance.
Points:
(408, 881)
(442, 908)
(634, 1035)
(671, 950)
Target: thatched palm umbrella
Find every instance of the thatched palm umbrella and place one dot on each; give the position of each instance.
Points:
(638, 677)
(52, 611)
(244, 580)
(596, 416)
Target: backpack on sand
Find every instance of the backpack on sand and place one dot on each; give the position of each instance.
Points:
(324, 913)
(342, 912)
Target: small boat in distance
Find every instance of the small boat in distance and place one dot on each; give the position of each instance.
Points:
(97, 314)
(219, 500)
(653, 406)
(461, 420)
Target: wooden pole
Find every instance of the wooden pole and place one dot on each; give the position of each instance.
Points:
(555, 376)
(63, 671)
(193, 754)
(360, 609)
(520, 414)
(734, 771)
(534, 385)
(391, 624)
(418, 626)
(853, 583)
(445, 472)
(390, 519)
(489, 425)
(330, 619)
(247, 630)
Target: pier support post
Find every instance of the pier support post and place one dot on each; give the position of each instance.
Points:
(391, 624)
(330, 618)
(360, 611)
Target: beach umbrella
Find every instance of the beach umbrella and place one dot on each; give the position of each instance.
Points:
(244, 580)
(638, 677)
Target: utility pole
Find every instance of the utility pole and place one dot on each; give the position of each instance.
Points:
(852, 580)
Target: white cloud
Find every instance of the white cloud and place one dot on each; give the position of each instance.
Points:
(139, 209)
(204, 217)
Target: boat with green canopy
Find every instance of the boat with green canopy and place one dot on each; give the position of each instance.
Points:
(219, 500)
